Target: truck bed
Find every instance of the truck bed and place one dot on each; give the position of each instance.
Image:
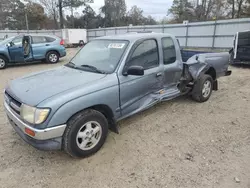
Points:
(186, 54)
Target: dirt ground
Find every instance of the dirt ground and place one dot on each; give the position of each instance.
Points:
(179, 143)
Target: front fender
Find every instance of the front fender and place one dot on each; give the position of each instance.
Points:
(6, 54)
(108, 97)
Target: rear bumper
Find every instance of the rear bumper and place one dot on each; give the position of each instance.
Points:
(44, 139)
(63, 53)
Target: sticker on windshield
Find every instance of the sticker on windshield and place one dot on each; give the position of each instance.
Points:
(116, 45)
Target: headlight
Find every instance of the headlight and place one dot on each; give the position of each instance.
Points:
(34, 115)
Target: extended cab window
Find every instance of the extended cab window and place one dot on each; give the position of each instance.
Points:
(169, 52)
(145, 55)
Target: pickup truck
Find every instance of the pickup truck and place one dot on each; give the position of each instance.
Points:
(72, 107)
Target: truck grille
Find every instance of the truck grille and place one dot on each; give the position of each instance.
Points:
(14, 104)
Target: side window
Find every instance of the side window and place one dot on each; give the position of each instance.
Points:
(38, 39)
(169, 52)
(145, 55)
(17, 41)
(50, 39)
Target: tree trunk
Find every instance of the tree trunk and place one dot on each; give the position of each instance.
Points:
(72, 17)
(233, 9)
(54, 18)
(239, 8)
(209, 7)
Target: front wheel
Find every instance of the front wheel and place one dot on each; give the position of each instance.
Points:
(3, 62)
(85, 134)
(203, 88)
(52, 57)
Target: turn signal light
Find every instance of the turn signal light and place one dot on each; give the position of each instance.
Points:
(30, 132)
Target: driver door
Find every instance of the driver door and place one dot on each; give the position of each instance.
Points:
(16, 49)
(138, 93)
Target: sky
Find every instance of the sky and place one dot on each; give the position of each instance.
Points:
(156, 8)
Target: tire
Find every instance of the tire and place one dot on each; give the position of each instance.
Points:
(3, 62)
(200, 94)
(81, 138)
(52, 57)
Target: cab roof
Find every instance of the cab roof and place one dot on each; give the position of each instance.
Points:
(135, 36)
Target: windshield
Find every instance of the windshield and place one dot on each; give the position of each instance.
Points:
(6, 41)
(100, 56)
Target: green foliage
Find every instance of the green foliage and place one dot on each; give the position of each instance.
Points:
(73, 3)
(181, 10)
(12, 15)
(36, 15)
(205, 10)
(114, 12)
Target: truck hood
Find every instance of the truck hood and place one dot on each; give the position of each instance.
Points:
(35, 88)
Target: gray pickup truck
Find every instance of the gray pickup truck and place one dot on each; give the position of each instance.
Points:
(72, 107)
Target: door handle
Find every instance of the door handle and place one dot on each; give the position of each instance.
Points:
(46, 44)
(159, 74)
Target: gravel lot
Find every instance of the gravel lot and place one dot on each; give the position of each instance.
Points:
(179, 143)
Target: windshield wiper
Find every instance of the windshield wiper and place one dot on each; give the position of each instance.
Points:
(93, 68)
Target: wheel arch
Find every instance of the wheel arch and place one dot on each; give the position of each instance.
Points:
(52, 50)
(211, 71)
(5, 56)
(106, 111)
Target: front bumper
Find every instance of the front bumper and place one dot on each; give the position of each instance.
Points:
(44, 139)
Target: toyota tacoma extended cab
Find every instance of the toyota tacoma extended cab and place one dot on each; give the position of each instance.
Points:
(72, 107)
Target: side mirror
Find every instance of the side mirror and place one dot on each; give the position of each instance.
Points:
(8, 44)
(135, 71)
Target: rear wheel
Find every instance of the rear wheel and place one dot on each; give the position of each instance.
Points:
(85, 134)
(203, 88)
(52, 57)
(3, 62)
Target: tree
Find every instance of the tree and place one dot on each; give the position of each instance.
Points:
(12, 15)
(51, 8)
(70, 4)
(150, 20)
(237, 8)
(182, 10)
(114, 12)
(135, 16)
(88, 19)
(36, 15)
